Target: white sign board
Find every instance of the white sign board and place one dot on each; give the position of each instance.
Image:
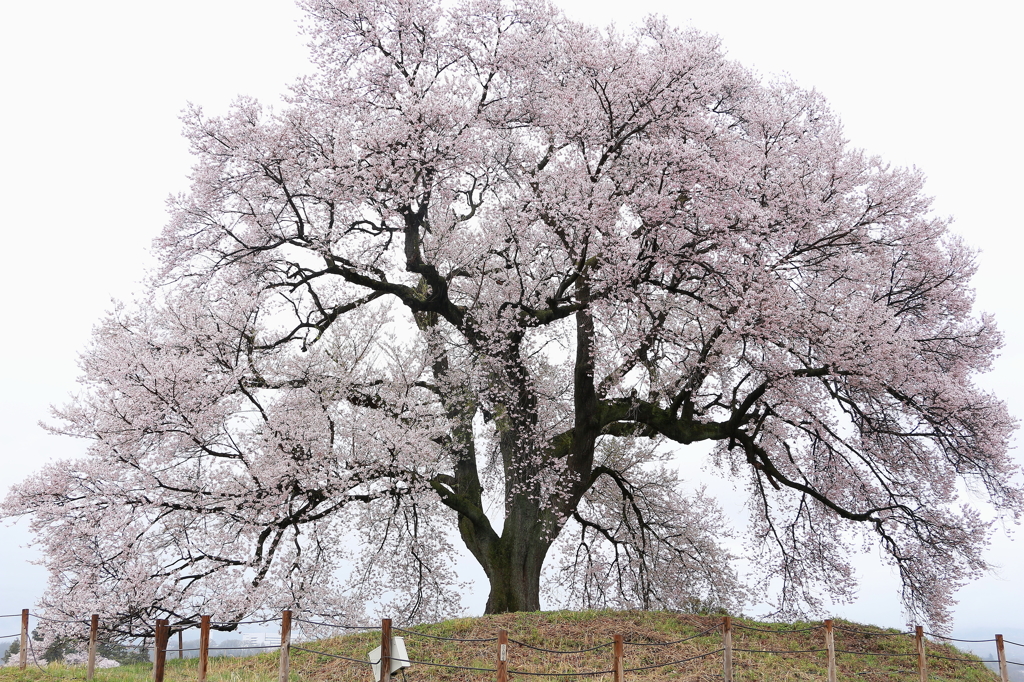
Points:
(399, 658)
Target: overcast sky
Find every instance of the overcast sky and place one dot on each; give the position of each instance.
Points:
(91, 149)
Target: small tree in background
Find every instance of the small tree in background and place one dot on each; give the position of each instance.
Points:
(125, 654)
(12, 650)
(478, 274)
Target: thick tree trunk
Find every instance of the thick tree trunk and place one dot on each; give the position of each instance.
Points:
(513, 570)
(514, 559)
(513, 564)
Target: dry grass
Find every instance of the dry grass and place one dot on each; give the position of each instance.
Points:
(573, 631)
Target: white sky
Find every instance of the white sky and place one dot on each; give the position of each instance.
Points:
(91, 148)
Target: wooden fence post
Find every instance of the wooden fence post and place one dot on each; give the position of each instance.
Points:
(502, 656)
(94, 626)
(286, 643)
(181, 644)
(727, 647)
(1001, 655)
(160, 637)
(204, 646)
(922, 663)
(385, 650)
(830, 645)
(23, 651)
(617, 668)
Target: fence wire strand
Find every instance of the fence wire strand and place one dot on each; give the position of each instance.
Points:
(868, 633)
(873, 653)
(780, 651)
(682, 660)
(954, 658)
(344, 658)
(583, 674)
(333, 625)
(954, 639)
(32, 650)
(558, 651)
(57, 620)
(445, 639)
(446, 665)
(684, 639)
(245, 622)
(778, 632)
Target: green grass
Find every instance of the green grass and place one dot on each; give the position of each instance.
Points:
(572, 630)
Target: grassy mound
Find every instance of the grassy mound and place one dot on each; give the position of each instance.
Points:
(645, 633)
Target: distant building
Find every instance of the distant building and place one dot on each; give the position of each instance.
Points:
(267, 639)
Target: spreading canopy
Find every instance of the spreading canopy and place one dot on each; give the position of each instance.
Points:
(484, 270)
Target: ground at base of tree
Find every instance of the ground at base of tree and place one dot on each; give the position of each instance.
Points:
(570, 631)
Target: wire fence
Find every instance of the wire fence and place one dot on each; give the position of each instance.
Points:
(703, 633)
(870, 633)
(671, 663)
(730, 639)
(560, 651)
(445, 639)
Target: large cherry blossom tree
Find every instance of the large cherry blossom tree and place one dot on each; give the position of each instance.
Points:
(478, 279)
